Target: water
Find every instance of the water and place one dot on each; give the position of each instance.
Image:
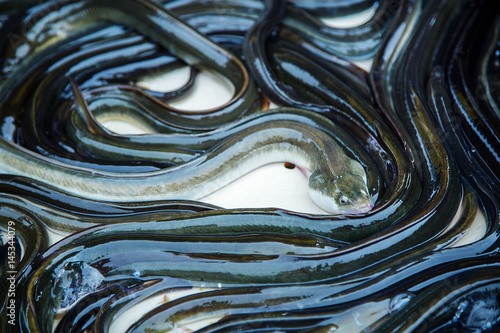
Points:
(399, 301)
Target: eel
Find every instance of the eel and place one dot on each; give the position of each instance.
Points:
(337, 183)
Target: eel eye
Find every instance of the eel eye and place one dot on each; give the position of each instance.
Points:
(343, 200)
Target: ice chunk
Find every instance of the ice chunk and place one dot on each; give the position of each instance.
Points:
(479, 311)
(75, 280)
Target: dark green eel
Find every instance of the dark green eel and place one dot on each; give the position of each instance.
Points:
(422, 123)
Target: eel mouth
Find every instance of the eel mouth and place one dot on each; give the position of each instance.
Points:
(360, 208)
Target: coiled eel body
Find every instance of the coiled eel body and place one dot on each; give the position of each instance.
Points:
(416, 263)
(337, 184)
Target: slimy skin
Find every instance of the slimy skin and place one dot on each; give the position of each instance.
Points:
(337, 183)
(340, 192)
(282, 141)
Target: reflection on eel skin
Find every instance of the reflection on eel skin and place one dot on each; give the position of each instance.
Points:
(422, 125)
